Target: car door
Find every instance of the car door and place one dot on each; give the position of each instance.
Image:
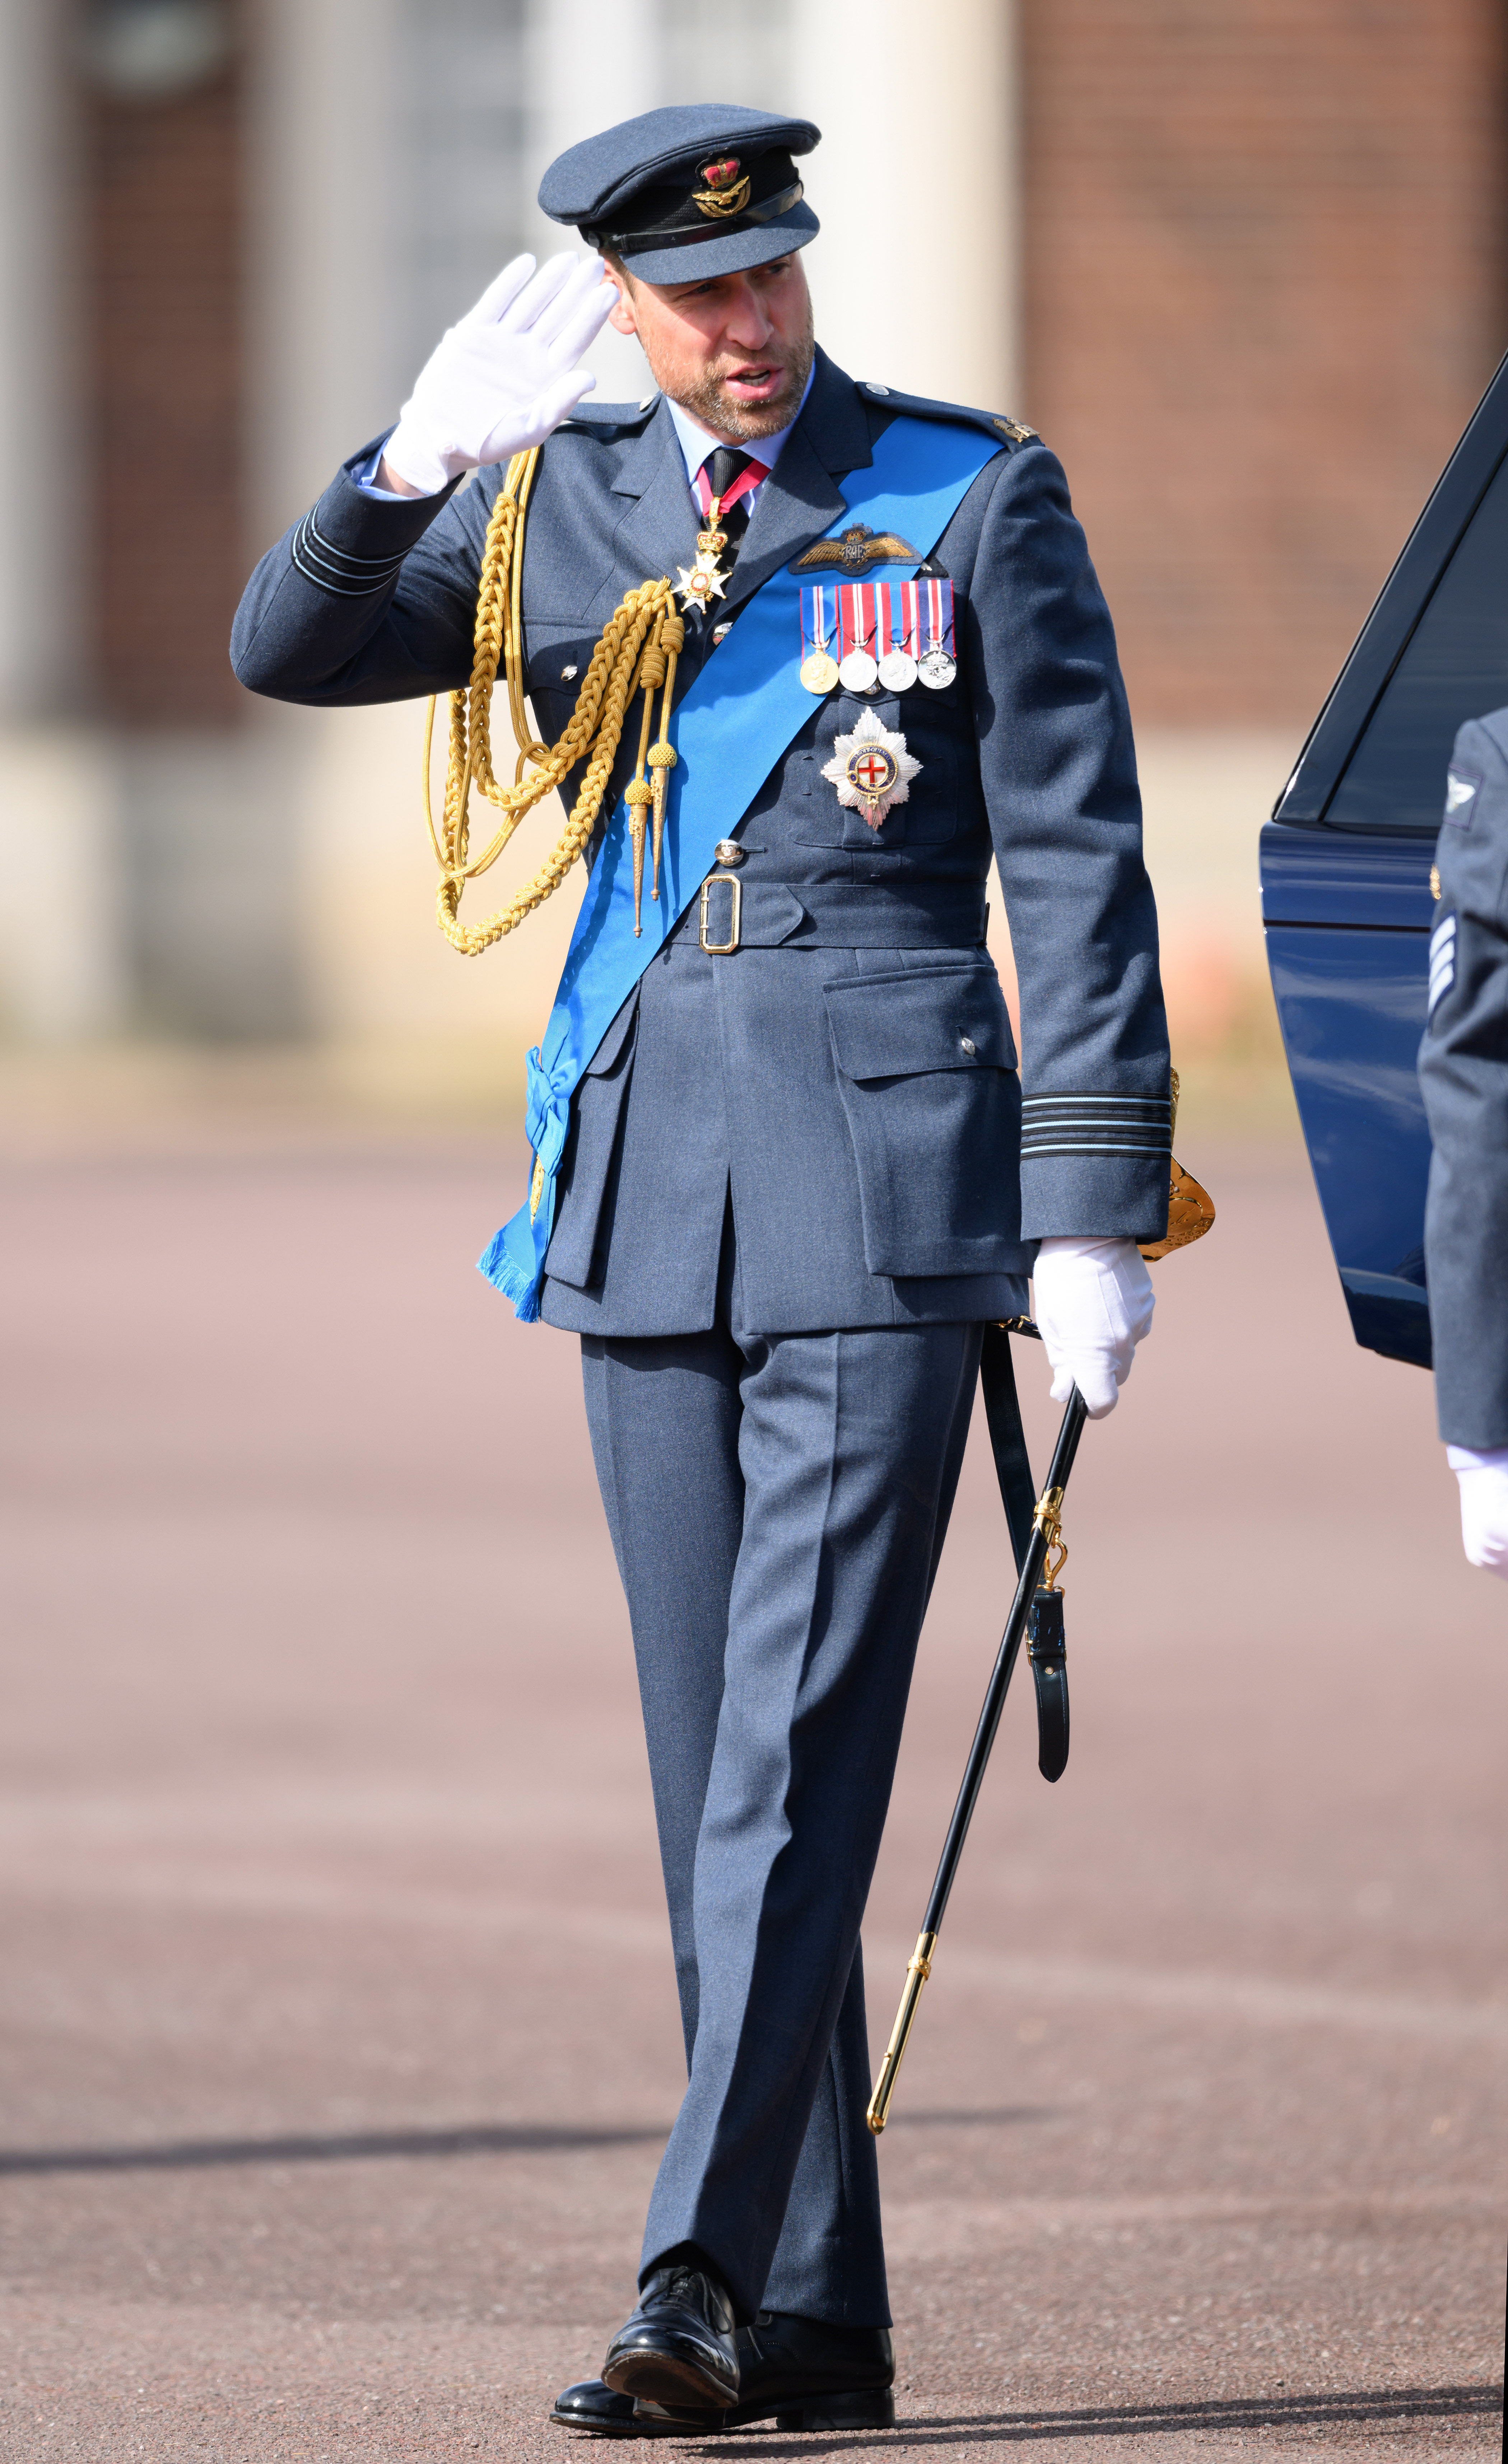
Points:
(1347, 901)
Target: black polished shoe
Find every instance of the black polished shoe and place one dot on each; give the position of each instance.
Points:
(678, 2348)
(807, 2373)
(591, 2407)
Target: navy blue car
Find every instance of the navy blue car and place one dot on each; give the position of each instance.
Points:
(1345, 863)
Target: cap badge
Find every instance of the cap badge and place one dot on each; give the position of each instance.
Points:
(872, 769)
(722, 191)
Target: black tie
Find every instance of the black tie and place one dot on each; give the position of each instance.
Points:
(722, 470)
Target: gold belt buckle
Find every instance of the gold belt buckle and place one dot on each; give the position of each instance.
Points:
(722, 949)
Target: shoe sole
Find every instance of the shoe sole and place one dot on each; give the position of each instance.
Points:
(586, 2428)
(865, 2409)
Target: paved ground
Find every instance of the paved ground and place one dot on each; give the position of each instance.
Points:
(338, 2034)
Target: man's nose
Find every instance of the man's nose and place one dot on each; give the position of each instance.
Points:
(749, 324)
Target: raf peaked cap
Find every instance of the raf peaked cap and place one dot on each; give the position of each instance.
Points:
(679, 194)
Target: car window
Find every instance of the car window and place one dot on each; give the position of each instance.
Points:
(1454, 668)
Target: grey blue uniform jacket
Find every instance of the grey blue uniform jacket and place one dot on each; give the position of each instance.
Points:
(846, 1081)
(1463, 1067)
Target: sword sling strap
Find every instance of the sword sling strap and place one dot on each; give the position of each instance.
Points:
(1045, 1641)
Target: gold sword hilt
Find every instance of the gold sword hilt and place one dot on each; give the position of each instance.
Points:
(918, 1968)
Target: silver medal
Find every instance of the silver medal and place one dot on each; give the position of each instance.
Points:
(936, 668)
(898, 671)
(856, 673)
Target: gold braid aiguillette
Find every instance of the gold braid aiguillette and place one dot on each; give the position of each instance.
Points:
(643, 636)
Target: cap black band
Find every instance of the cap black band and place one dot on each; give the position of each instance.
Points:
(676, 235)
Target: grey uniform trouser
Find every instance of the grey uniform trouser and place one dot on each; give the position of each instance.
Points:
(777, 1505)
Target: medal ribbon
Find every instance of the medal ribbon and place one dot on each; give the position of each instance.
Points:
(815, 628)
(737, 718)
(940, 615)
(749, 478)
(910, 618)
(856, 610)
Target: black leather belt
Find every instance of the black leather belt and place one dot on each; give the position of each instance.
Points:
(735, 914)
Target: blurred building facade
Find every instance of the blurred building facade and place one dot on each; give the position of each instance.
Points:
(1242, 265)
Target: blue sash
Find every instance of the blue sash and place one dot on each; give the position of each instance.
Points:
(746, 706)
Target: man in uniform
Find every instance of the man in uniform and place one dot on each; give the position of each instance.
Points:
(1463, 1067)
(798, 1172)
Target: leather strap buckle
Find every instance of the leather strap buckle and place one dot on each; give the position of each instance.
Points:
(735, 915)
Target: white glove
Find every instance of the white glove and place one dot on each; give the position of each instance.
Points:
(1484, 1504)
(1094, 1304)
(506, 375)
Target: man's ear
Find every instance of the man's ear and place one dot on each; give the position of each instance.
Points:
(621, 315)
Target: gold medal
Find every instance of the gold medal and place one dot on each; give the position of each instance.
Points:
(820, 671)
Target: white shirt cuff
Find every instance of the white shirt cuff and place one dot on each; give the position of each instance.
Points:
(366, 480)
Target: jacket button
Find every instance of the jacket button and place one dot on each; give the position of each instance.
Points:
(967, 1044)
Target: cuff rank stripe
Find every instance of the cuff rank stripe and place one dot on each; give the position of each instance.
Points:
(1093, 1124)
(334, 569)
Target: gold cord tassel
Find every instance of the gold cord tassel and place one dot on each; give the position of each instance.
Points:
(591, 735)
(671, 638)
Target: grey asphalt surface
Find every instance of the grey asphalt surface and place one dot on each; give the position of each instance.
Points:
(338, 2034)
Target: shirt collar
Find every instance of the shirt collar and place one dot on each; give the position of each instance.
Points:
(696, 444)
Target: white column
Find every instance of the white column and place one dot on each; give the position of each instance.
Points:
(38, 443)
(60, 960)
(916, 182)
(589, 66)
(328, 303)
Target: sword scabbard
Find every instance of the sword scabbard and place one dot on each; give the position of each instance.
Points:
(918, 1968)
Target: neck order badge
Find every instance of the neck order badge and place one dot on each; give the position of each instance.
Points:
(746, 706)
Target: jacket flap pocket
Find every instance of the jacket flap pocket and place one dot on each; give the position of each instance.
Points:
(897, 1026)
(616, 1042)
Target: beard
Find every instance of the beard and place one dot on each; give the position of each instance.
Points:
(709, 400)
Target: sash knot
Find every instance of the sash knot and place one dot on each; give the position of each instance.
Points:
(547, 1109)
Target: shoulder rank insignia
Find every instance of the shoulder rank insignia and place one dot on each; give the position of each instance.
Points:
(1013, 429)
(855, 551)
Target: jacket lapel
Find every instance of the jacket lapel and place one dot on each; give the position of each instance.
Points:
(658, 532)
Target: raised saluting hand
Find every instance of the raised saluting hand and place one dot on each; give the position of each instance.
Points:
(508, 373)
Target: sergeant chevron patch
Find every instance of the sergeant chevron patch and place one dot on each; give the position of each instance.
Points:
(1442, 960)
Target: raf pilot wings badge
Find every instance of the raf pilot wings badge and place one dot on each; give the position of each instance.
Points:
(856, 550)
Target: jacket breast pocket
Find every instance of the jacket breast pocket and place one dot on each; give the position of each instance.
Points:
(558, 653)
(926, 1075)
(596, 1113)
(929, 813)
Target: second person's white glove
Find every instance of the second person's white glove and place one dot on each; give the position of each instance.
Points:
(505, 376)
(1483, 1477)
(1094, 1304)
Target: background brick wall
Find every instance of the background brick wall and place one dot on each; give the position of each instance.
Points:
(1264, 287)
(164, 311)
